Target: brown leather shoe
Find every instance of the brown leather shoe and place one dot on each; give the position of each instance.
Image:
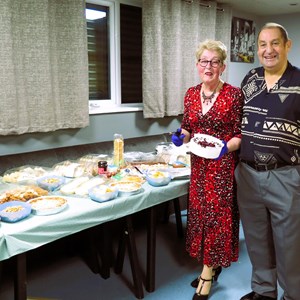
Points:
(255, 296)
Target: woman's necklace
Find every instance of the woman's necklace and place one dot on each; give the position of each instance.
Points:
(208, 99)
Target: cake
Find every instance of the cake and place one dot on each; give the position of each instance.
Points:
(206, 146)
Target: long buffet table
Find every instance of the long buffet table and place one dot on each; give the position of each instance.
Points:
(81, 213)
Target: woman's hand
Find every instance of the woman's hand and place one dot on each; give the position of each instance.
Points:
(177, 137)
(223, 151)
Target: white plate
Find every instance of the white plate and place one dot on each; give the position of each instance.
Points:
(127, 187)
(48, 205)
(206, 146)
(180, 173)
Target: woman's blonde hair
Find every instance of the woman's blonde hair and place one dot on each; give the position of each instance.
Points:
(212, 45)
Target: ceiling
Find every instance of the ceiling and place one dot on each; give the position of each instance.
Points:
(264, 7)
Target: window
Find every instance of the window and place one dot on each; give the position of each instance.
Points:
(114, 29)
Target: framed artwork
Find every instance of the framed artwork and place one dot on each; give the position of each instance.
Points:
(242, 40)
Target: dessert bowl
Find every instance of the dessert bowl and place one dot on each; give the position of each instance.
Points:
(158, 178)
(102, 193)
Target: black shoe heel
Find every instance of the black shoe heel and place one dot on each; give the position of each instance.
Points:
(198, 296)
(195, 282)
(215, 277)
(217, 271)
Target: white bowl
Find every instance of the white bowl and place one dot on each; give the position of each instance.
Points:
(206, 146)
(158, 178)
(50, 182)
(101, 193)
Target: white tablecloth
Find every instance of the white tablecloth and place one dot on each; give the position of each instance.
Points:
(81, 213)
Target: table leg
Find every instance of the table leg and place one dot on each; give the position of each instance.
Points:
(20, 280)
(129, 239)
(1, 267)
(121, 252)
(151, 246)
(178, 217)
(135, 267)
(177, 211)
(106, 251)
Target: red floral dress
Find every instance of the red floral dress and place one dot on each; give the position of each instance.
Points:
(213, 219)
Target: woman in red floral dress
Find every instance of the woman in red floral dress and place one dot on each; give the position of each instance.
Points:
(213, 107)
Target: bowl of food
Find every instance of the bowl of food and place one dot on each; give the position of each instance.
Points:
(102, 193)
(158, 178)
(127, 188)
(14, 211)
(50, 182)
(206, 146)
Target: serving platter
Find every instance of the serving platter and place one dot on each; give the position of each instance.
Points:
(127, 187)
(205, 146)
(48, 205)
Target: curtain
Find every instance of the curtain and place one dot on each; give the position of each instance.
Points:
(172, 30)
(43, 66)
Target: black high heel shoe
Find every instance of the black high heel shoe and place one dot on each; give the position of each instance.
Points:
(217, 271)
(199, 296)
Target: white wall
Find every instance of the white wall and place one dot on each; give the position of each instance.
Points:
(291, 22)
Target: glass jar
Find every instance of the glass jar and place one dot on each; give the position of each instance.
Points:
(102, 167)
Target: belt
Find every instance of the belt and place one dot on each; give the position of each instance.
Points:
(263, 167)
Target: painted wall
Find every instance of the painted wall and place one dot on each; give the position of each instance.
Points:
(132, 124)
(290, 22)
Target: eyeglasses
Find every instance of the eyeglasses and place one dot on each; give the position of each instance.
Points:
(214, 63)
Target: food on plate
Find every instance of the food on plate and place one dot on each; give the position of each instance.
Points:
(83, 188)
(50, 182)
(206, 146)
(157, 174)
(22, 193)
(70, 187)
(102, 193)
(178, 164)
(158, 178)
(69, 169)
(14, 211)
(127, 186)
(144, 168)
(23, 174)
(47, 205)
(11, 209)
(133, 178)
(204, 143)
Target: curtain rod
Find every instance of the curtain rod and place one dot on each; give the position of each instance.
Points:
(203, 4)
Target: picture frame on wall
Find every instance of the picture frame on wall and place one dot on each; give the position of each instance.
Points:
(242, 40)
